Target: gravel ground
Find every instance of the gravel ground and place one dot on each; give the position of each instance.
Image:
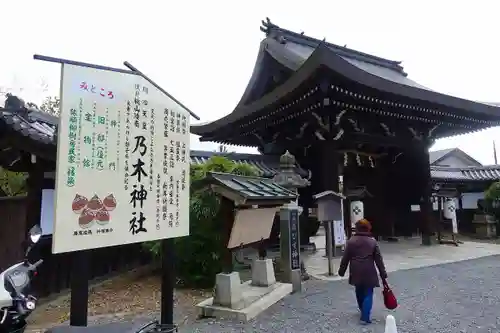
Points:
(457, 297)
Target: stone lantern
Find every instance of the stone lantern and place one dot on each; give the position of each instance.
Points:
(287, 176)
(293, 267)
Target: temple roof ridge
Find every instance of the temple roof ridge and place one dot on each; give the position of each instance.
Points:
(283, 35)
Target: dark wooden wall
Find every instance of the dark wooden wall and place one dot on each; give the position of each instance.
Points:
(54, 274)
(12, 230)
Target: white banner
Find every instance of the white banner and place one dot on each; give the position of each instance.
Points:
(122, 162)
(450, 212)
(357, 212)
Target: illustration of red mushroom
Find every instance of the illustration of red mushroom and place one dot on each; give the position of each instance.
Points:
(79, 203)
(109, 202)
(95, 203)
(86, 218)
(102, 216)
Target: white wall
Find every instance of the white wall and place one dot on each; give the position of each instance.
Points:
(455, 162)
(469, 200)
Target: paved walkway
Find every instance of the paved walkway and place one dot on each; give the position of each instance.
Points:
(449, 298)
(405, 254)
(454, 295)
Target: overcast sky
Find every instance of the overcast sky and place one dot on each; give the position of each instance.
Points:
(203, 52)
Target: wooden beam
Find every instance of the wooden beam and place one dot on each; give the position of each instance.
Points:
(20, 142)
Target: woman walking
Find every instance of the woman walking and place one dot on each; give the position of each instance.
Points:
(362, 254)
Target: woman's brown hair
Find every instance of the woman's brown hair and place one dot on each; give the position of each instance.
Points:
(363, 225)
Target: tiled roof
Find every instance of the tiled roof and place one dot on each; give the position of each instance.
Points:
(491, 172)
(37, 125)
(488, 173)
(254, 188)
(267, 165)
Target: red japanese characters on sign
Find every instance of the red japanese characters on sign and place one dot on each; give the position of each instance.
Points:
(95, 90)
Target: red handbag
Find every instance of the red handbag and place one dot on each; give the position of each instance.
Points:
(390, 300)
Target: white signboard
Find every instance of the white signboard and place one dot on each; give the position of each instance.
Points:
(339, 232)
(122, 162)
(415, 208)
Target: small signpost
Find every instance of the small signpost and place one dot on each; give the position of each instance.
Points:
(290, 245)
(294, 239)
(122, 173)
(330, 210)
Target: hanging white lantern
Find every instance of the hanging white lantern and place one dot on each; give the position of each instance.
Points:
(357, 212)
(449, 211)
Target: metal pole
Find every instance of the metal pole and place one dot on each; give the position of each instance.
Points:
(83, 64)
(167, 281)
(329, 246)
(334, 246)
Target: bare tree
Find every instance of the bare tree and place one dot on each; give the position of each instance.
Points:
(51, 105)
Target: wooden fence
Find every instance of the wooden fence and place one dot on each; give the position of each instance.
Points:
(54, 274)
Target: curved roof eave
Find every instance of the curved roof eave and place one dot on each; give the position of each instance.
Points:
(344, 68)
(305, 71)
(323, 56)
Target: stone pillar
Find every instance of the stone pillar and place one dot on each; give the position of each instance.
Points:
(290, 246)
(289, 222)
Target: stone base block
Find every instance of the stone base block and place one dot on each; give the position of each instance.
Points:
(228, 291)
(255, 299)
(263, 273)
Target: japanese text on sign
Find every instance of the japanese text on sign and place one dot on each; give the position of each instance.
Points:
(294, 240)
(119, 179)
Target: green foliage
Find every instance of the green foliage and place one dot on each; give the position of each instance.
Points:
(198, 256)
(493, 192)
(491, 202)
(12, 183)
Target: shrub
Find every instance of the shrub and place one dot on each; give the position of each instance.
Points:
(198, 256)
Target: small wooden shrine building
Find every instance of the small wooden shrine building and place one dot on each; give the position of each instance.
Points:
(345, 112)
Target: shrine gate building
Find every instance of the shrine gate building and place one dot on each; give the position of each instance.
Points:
(344, 112)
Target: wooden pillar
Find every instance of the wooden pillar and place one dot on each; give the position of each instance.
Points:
(326, 171)
(34, 185)
(347, 217)
(306, 226)
(460, 213)
(427, 225)
(383, 215)
(329, 168)
(440, 217)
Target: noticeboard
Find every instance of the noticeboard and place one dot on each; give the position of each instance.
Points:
(122, 162)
